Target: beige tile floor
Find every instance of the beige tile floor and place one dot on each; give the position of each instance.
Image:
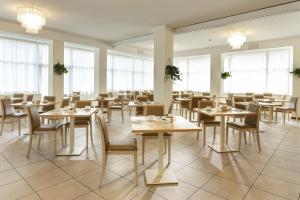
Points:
(203, 174)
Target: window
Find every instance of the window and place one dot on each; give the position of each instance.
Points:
(23, 66)
(195, 73)
(129, 72)
(259, 71)
(80, 63)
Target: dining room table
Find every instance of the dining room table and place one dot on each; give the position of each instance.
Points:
(161, 125)
(71, 149)
(222, 147)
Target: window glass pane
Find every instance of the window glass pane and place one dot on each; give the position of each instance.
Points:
(195, 74)
(23, 66)
(80, 64)
(129, 72)
(259, 71)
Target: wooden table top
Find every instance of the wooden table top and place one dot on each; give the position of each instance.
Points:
(260, 103)
(37, 104)
(231, 112)
(140, 104)
(161, 124)
(61, 112)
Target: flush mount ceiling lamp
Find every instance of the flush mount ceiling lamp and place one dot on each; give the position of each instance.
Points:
(236, 40)
(32, 19)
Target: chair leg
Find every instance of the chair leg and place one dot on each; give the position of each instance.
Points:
(245, 137)
(165, 145)
(226, 137)
(39, 141)
(214, 133)
(19, 126)
(91, 131)
(204, 136)
(2, 125)
(283, 117)
(62, 137)
(240, 140)
(136, 167)
(198, 121)
(258, 140)
(87, 137)
(29, 145)
(122, 113)
(169, 150)
(55, 143)
(143, 150)
(276, 114)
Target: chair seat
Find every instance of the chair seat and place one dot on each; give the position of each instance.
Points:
(49, 127)
(154, 134)
(211, 122)
(123, 145)
(16, 115)
(240, 125)
(284, 109)
(115, 107)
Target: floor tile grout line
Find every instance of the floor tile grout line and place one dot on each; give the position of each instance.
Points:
(260, 173)
(24, 179)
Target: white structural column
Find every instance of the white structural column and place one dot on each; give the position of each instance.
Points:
(215, 76)
(56, 82)
(296, 80)
(163, 52)
(100, 71)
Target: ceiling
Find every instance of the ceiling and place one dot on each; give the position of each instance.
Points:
(117, 20)
(266, 28)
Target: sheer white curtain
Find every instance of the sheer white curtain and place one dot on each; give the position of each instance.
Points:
(259, 71)
(23, 66)
(80, 77)
(129, 72)
(195, 73)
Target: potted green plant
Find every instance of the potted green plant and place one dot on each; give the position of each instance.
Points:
(225, 75)
(59, 68)
(296, 71)
(172, 72)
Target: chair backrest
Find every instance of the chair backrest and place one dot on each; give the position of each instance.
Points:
(249, 93)
(76, 93)
(49, 98)
(65, 102)
(253, 119)
(75, 98)
(6, 106)
(104, 132)
(34, 119)
(157, 110)
(205, 104)
(142, 98)
(175, 96)
(249, 98)
(103, 95)
(238, 99)
(29, 97)
(82, 103)
(185, 95)
(230, 96)
(150, 97)
(293, 103)
(229, 102)
(267, 94)
(18, 95)
(258, 96)
(195, 100)
(206, 93)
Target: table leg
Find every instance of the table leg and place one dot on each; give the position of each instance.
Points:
(71, 150)
(222, 147)
(270, 113)
(160, 176)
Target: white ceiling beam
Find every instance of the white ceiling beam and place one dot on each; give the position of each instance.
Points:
(276, 10)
